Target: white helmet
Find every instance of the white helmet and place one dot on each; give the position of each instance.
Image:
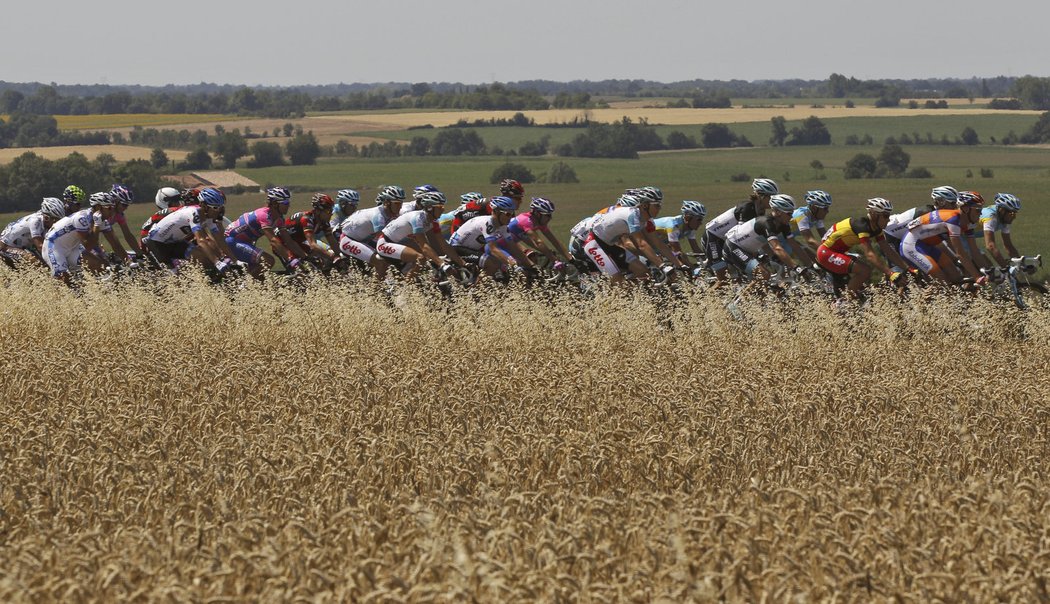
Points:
(765, 186)
(818, 199)
(53, 207)
(880, 205)
(945, 193)
(168, 196)
(782, 203)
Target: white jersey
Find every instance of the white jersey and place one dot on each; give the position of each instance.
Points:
(103, 225)
(63, 231)
(720, 225)
(897, 227)
(408, 206)
(363, 224)
(21, 233)
(581, 228)
(478, 231)
(413, 223)
(181, 225)
(616, 223)
(753, 235)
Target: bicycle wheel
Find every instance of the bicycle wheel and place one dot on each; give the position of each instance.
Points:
(1031, 295)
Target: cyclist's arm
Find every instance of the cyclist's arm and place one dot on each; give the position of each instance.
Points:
(1009, 243)
(639, 242)
(697, 249)
(206, 244)
(888, 252)
(39, 243)
(558, 245)
(114, 243)
(133, 243)
(963, 256)
(780, 252)
(661, 247)
(979, 259)
(282, 243)
(314, 247)
(989, 244)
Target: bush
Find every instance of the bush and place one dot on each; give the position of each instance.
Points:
(811, 132)
(518, 172)
(740, 177)
(969, 136)
(679, 140)
(198, 159)
(1004, 104)
(849, 104)
(266, 154)
(303, 149)
(919, 173)
(561, 172)
(987, 173)
(860, 165)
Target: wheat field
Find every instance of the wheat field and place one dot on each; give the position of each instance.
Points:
(182, 442)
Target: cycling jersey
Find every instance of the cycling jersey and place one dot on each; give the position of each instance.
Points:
(364, 224)
(521, 225)
(990, 221)
(445, 221)
(930, 227)
(62, 246)
(181, 225)
(477, 232)
(469, 210)
(897, 227)
(305, 222)
(673, 227)
(751, 236)
(412, 223)
(802, 220)
(581, 228)
(408, 206)
(616, 223)
(850, 232)
(338, 216)
(103, 225)
(21, 233)
(154, 219)
(742, 212)
(249, 226)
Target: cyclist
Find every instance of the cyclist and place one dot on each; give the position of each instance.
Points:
(474, 204)
(998, 218)
(412, 237)
(745, 241)
(191, 231)
(489, 239)
(358, 232)
(417, 194)
(684, 225)
(713, 240)
(924, 245)
(969, 235)
(944, 197)
(68, 237)
(618, 238)
(72, 197)
(167, 200)
(302, 227)
(243, 233)
(807, 222)
(833, 254)
(124, 197)
(897, 227)
(527, 227)
(27, 233)
(346, 201)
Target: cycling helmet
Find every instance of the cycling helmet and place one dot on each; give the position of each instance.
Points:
(694, 208)
(628, 200)
(102, 198)
(189, 196)
(348, 196)
(74, 194)
(472, 196)
(782, 203)
(542, 205)
(279, 194)
(502, 203)
(422, 190)
(53, 207)
(322, 201)
(969, 198)
(765, 186)
(511, 188)
(168, 197)
(390, 193)
(880, 205)
(818, 199)
(213, 198)
(649, 194)
(122, 194)
(1008, 202)
(430, 199)
(945, 193)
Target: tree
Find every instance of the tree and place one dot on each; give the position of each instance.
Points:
(969, 136)
(518, 172)
(811, 132)
(198, 159)
(1033, 92)
(419, 145)
(266, 154)
(1039, 133)
(230, 146)
(158, 158)
(780, 131)
(303, 149)
(679, 140)
(860, 165)
(893, 161)
(562, 172)
(716, 135)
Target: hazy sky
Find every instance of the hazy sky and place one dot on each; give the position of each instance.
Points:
(288, 42)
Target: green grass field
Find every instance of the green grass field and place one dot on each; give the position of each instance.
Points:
(125, 120)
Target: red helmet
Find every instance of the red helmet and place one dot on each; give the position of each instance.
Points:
(511, 187)
(322, 201)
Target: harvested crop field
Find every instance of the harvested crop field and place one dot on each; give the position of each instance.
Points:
(120, 152)
(189, 444)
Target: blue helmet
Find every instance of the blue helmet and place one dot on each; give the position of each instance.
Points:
(422, 190)
(694, 208)
(502, 203)
(122, 194)
(212, 198)
(279, 194)
(1008, 202)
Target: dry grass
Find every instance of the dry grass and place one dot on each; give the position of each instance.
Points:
(146, 120)
(121, 152)
(189, 445)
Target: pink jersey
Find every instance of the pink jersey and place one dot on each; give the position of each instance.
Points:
(249, 227)
(522, 224)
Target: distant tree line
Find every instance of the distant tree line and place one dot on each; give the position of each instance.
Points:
(29, 178)
(28, 130)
